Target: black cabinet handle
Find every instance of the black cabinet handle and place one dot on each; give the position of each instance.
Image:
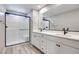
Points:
(57, 45)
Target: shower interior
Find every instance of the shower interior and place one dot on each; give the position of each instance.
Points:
(17, 29)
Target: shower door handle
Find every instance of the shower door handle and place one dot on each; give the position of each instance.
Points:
(6, 26)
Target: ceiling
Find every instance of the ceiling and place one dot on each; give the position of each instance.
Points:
(54, 10)
(23, 8)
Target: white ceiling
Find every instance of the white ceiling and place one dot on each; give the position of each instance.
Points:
(54, 10)
(24, 8)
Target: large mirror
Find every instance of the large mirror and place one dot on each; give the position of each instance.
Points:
(63, 16)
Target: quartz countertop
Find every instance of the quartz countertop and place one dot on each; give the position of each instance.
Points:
(69, 35)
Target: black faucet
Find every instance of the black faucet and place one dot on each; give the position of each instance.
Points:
(65, 30)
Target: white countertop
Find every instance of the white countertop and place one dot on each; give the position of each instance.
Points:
(69, 35)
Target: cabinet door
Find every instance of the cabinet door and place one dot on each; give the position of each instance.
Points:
(36, 40)
(43, 43)
(66, 49)
(53, 47)
(33, 39)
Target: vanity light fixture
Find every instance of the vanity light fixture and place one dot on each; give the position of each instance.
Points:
(43, 10)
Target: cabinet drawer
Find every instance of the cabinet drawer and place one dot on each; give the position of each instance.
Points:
(70, 42)
(65, 49)
(53, 47)
(53, 38)
(43, 42)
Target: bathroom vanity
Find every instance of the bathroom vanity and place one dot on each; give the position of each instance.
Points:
(54, 42)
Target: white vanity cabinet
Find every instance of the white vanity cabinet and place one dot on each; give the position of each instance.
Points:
(57, 45)
(39, 41)
(54, 45)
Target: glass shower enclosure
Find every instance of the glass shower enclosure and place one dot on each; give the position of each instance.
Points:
(17, 29)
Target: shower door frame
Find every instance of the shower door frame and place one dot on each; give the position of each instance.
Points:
(6, 27)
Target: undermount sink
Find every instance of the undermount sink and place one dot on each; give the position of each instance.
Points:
(57, 33)
(66, 35)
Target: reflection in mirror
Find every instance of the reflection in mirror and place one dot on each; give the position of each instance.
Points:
(63, 16)
(46, 24)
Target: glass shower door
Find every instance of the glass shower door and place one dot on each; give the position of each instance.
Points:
(24, 30)
(17, 29)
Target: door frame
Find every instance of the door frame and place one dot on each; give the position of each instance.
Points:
(29, 28)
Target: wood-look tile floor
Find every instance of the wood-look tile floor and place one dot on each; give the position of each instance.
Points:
(25, 48)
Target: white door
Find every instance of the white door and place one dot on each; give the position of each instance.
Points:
(17, 29)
